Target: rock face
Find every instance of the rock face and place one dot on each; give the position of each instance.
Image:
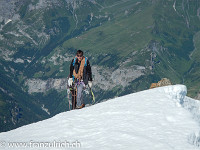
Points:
(8, 10)
(37, 85)
(106, 78)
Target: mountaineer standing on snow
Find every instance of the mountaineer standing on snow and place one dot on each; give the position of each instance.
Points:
(80, 76)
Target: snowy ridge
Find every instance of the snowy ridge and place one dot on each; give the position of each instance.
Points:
(157, 119)
(194, 107)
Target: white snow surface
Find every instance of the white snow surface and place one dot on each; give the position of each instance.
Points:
(157, 119)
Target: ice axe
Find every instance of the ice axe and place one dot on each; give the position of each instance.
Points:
(92, 95)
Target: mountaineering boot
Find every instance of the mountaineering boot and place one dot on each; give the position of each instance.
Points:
(83, 105)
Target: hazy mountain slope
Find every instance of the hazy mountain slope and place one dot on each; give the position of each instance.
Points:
(192, 76)
(16, 106)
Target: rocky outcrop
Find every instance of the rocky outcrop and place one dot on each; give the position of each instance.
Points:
(162, 82)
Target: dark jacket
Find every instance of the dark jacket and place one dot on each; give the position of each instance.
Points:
(87, 72)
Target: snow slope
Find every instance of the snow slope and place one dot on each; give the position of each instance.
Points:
(157, 119)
